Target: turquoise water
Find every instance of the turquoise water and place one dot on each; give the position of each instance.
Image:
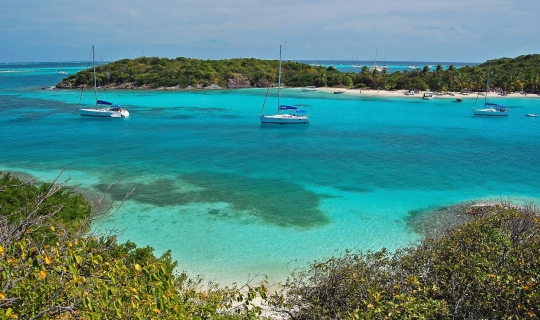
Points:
(232, 198)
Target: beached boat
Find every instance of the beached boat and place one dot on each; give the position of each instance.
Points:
(338, 92)
(428, 95)
(490, 109)
(309, 88)
(291, 115)
(112, 111)
(532, 114)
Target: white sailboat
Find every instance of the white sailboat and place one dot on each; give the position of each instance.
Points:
(62, 72)
(490, 109)
(111, 110)
(375, 66)
(411, 65)
(291, 115)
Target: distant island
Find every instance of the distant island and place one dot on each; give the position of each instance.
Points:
(507, 74)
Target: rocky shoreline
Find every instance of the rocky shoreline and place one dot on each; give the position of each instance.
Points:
(433, 221)
(238, 82)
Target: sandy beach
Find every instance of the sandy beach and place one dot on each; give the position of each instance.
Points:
(437, 95)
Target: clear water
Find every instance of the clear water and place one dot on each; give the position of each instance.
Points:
(232, 198)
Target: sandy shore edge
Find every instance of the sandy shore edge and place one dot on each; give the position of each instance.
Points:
(437, 95)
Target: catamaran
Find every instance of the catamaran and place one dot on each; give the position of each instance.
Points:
(291, 115)
(114, 111)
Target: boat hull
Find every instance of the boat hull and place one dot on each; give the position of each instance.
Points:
(490, 112)
(108, 113)
(284, 119)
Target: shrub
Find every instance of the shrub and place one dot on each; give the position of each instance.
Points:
(486, 269)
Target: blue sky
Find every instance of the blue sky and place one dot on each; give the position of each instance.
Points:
(419, 30)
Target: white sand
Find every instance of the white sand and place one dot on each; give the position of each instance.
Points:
(401, 93)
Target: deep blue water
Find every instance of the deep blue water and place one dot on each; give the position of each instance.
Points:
(231, 197)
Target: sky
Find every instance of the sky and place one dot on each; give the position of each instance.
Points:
(314, 30)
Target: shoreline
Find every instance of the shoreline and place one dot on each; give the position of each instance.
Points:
(437, 95)
(332, 90)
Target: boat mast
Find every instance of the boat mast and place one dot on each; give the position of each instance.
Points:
(94, 64)
(487, 84)
(279, 80)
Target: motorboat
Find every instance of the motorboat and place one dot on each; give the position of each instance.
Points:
(428, 95)
(309, 88)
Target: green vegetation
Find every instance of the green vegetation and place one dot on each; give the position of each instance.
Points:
(486, 269)
(79, 275)
(183, 72)
(521, 73)
(51, 267)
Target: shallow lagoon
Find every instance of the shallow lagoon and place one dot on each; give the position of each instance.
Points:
(231, 198)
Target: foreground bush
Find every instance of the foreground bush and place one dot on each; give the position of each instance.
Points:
(51, 267)
(82, 276)
(486, 269)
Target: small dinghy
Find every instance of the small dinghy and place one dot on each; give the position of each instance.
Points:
(532, 114)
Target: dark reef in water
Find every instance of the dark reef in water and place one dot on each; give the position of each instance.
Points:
(284, 204)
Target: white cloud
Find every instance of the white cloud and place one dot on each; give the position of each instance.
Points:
(440, 30)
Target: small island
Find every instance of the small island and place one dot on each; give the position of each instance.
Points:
(153, 73)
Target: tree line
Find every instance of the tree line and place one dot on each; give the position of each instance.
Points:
(507, 74)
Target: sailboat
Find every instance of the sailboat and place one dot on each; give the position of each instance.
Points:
(62, 72)
(375, 66)
(411, 65)
(291, 115)
(110, 110)
(490, 109)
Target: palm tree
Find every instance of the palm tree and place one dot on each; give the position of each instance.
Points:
(321, 78)
(376, 77)
(451, 73)
(533, 80)
(424, 73)
(365, 74)
(478, 79)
